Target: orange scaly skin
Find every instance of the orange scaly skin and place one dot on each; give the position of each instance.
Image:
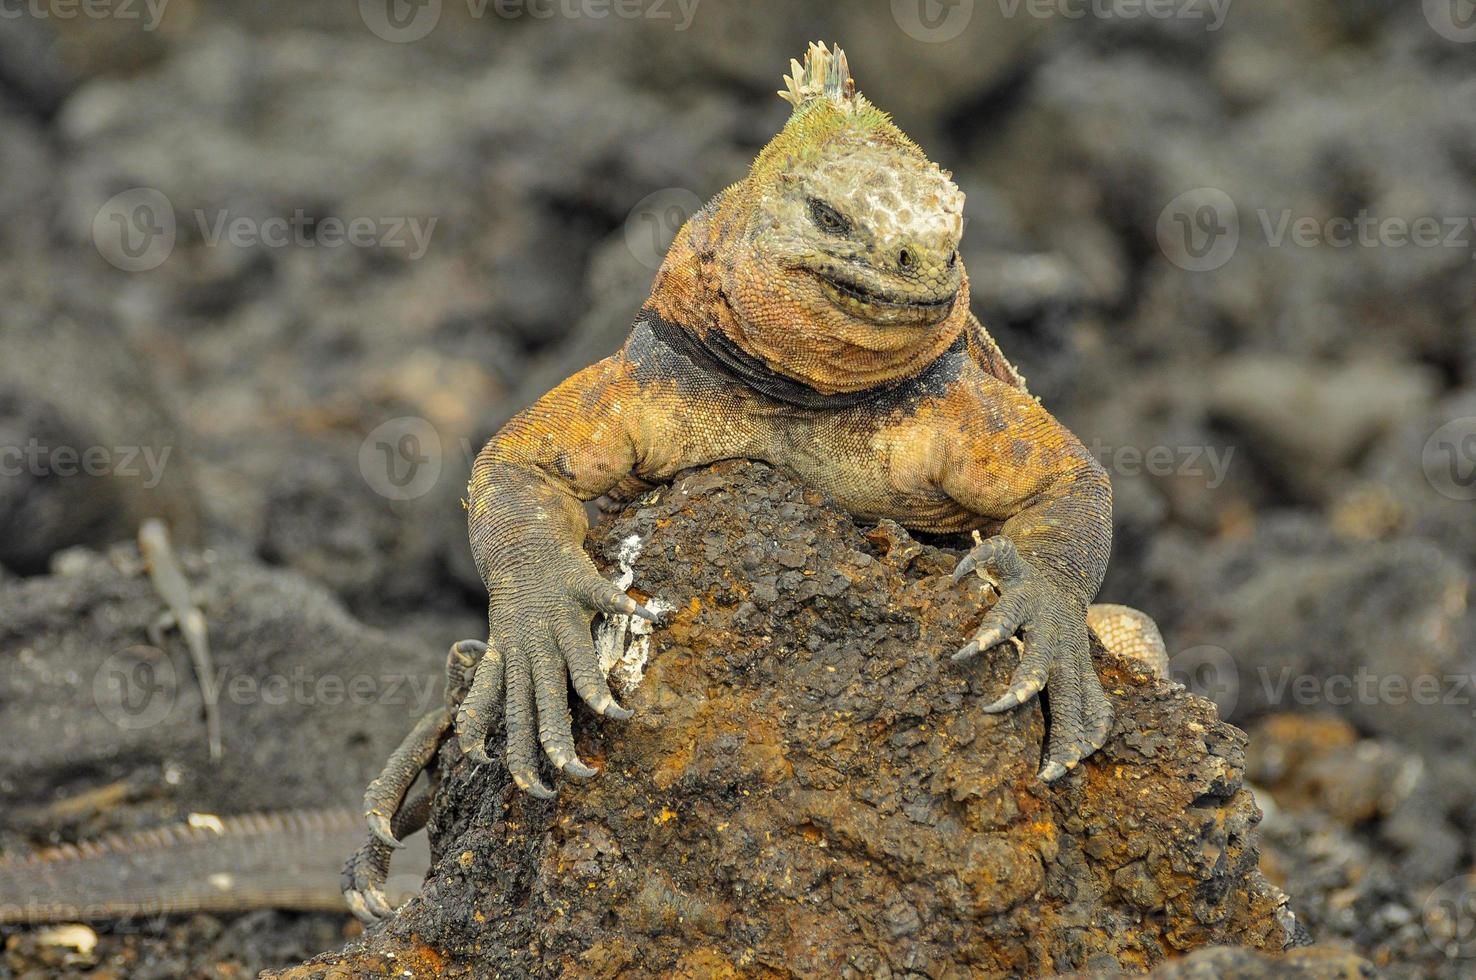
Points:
(814, 316)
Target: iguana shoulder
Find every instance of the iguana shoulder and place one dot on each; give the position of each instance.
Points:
(986, 353)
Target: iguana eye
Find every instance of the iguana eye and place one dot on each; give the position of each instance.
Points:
(828, 218)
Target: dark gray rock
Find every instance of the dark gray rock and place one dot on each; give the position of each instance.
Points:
(310, 700)
(808, 786)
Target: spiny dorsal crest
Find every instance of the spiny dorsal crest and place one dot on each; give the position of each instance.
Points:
(824, 75)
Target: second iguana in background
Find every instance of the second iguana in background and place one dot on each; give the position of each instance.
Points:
(814, 316)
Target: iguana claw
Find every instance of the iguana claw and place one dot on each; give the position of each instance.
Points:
(530, 663)
(379, 826)
(366, 871)
(1042, 618)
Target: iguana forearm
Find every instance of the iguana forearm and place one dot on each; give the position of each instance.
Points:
(527, 525)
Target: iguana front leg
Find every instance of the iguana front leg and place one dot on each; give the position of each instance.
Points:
(364, 874)
(627, 415)
(416, 752)
(1014, 464)
(389, 817)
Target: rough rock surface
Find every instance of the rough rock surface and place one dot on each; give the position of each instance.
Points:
(311, 700)
(548, 147)
(104, 735)
(809, 787)
(54, 500)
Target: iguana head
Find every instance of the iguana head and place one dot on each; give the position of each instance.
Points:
(838, 255)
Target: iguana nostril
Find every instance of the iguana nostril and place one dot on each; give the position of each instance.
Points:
(953, 259)
(905, 258)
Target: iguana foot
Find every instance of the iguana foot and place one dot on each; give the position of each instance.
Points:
(461, 664)
(383, 797)
(535, 651)
(365, 873)
(389, 818)
(1051, 622)
(410, 759)
(480, 706)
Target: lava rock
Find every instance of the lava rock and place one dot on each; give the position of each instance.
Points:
(810, 786)
(311, 701)
(84, 470)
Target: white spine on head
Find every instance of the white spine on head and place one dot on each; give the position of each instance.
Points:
(824, 75)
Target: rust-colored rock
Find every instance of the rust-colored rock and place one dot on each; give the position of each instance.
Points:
(809, 787)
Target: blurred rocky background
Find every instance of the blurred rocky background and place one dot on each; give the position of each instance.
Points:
(273, 271)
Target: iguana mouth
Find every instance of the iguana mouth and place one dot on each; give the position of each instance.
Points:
(871, 304)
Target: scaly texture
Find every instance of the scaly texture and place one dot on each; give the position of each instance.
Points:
(814, 316)
(810, 788)
(231, 864)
